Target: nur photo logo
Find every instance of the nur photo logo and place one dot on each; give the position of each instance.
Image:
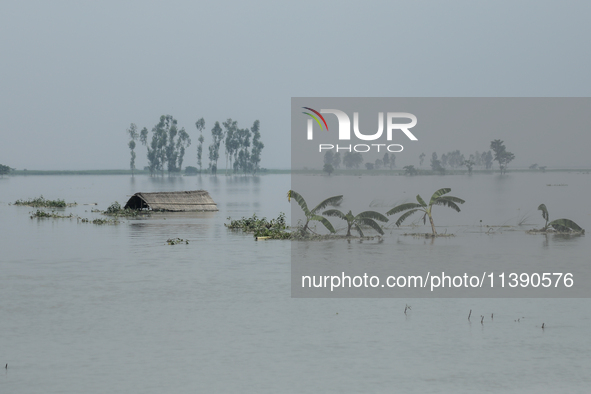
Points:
(392, 120)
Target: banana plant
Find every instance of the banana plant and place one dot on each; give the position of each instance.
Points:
(312, 214)
(560, 225)
(438, 198)
(367, 218)
(545, 215)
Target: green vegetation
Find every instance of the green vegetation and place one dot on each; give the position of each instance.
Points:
(4, 170)
(437, 198)
(559, 225)
(42, 202)
(190, 170)
(332, 161)
(176, 241)
(167, 147)
(99, 221)
(257, 147)
(410, 170)
(261, 227)
(501, 155)
(311, 214)
(200, 125)
(133, 135)
(367, 218)
(217, 134)
(46, 215)
(116, 210)
(352, 159)
(469, 164)
(436, 165)
(230, 143)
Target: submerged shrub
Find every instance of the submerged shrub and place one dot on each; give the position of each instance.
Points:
(176, 241)
(42, 202)
(54, 215)
(115, 209)
(261, 227)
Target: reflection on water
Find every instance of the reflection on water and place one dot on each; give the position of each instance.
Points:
(114, 308)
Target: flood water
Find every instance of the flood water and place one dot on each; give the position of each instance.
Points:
(88, 308)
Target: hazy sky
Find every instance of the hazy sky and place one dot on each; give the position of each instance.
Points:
(75, 74)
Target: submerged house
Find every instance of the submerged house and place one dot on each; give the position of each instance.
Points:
(188, 201)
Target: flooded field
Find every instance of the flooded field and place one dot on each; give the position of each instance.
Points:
(115, 308)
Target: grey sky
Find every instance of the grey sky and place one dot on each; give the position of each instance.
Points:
(75, 74)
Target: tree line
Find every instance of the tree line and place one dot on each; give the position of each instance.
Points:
(350, 160)
(168, 144)
(456, 159)
(439, 164)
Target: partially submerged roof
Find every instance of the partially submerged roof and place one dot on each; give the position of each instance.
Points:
(196, 200)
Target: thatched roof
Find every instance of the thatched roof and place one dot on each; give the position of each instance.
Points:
(196, 200)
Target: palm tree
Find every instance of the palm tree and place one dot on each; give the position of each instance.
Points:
(311, 214)
(367, 218)
(437, 198)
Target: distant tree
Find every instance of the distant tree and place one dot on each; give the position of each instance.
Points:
(190, 170)
(470, 165)
(352, 159)
(160, 141)
(329, 157)
(533, 166)
(336, 161)
(183, 142)
(153, 162)
(242, 155)
(378, 164)
(257, 147)
(421, 159)
(436, 164)
(169, 142)
(200, 124)
(328, 168)
(455, 159)
(231, 141)
(4, 170)
(443, 160)
(543, 168)
(133, 136)
(477, 159)
(410, 170)
(502, 156)
(392, 161)
(488, 159)
(217, 135)
(369, 166)
(386, 160)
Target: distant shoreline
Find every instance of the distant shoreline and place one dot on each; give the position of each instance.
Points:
(354, 172)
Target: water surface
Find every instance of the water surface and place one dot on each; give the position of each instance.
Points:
(95, 309)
